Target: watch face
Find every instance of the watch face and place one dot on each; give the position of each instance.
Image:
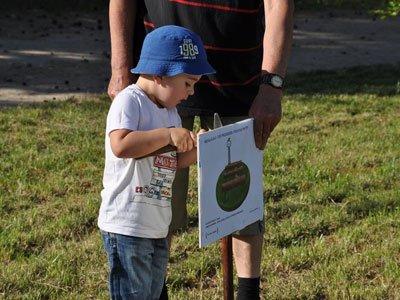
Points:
(276, 81)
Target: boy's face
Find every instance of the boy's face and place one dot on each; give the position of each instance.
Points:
(174, 90)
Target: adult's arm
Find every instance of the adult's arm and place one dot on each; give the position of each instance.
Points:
(266, 108)
(122, 14)
(186, 159)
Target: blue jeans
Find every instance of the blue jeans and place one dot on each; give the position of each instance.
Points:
(137, 266)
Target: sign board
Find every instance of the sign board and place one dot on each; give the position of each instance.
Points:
(229, 181)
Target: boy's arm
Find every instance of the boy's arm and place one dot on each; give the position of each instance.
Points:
(133, 144)
(126, 143)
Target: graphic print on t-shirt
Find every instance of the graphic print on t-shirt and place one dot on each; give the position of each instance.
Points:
(163, 174)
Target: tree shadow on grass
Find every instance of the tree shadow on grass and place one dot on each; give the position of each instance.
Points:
(100, 102)
(380, 80)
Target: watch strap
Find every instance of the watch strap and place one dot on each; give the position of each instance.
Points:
(266, 78)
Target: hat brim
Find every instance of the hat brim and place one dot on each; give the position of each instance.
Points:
(172, 68)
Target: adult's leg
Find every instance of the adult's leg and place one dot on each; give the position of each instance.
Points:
(246, 243)
(180, 190)
(247, 250)
(178, 203)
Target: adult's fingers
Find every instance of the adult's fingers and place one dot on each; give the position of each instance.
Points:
(194, 138)
(189, 144)
(119, 80)
(110, 92)
(265, 134)
(113, 91)
(258, 133)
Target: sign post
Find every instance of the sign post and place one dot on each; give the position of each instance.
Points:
(227, 266)
(230, 188)
(226, 247)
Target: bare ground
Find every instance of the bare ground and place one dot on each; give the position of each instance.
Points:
(53, 57)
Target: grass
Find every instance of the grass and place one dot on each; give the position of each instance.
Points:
(332, 192)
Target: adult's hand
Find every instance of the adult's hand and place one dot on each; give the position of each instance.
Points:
(122, 16)
(267, 112)
(119, 80)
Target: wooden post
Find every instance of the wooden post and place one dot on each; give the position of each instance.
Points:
(226, 242)
(227, 266)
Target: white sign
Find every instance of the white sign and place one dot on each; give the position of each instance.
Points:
(229, 181)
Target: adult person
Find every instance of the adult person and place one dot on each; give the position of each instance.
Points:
(248, 43)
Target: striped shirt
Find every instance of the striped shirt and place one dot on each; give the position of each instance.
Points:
(232, 33)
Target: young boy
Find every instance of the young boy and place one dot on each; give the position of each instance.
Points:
(135, 212)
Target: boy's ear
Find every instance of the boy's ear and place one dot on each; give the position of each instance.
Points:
(157, 79)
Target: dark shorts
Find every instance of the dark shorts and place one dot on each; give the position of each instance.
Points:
(181, 183)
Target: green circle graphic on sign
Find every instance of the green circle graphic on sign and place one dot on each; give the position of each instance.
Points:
(233, 185)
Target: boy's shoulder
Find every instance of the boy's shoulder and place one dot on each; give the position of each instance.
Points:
(129, 96)
(131, 91)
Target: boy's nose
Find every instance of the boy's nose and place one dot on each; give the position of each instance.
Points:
(190, 92)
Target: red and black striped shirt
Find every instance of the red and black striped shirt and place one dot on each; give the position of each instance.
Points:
(232, 33)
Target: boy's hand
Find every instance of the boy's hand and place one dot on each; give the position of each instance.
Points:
(194, 135)
(182, 139)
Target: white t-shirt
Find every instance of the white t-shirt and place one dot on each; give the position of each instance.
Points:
(136, 199)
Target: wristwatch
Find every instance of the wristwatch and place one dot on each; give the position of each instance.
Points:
(274, 80)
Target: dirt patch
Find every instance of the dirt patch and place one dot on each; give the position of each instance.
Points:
(335, 40)
(45, 57)
(52, 57)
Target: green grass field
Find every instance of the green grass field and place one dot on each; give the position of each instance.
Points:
(332, 192)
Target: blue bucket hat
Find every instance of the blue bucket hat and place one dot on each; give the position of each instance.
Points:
(172, 50)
